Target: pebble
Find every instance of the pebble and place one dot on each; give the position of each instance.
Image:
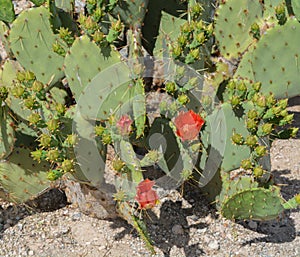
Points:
(177, 229)
(214, 245)
(30, 253)
(252, 224)
(76, 216)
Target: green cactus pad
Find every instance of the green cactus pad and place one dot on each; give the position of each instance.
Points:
(232, 26)
(168, 34)
(276, 60)
(139, 108)
(296, 8)
(7, 12)
(254, 204)
(3, 36)
(21, 178)
(84, 61)
(7, 133)
(131, 12)
(7, 76)
(31, 40)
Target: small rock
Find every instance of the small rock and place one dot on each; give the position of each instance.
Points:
(20, 226)
(252, 224)
(177, 229)
(214, 245)
(76, 216)
(30, 253)
(9, 221)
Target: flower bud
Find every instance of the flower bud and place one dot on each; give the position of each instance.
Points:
(251, 124)
(37, 86)
(53, 124)
(246, 164)
(252, 114)
(170, 87)
(235, 101)
(260, 150)
(297, 198)
(53, 155)
(256, 86)
(267, 128)
(106, 139)
(45, 140)
(237, 139)
(37, 155)
(251, 140)
(183, 99)
(54, 175)
(67, 165)
(99, 130)
(118, 165)
(71, 139)
(34, 118)
(60, 108)
(258, 171)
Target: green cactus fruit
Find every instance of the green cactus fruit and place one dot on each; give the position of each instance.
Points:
(7, 12)
(246, 164)
(280, 14)
(170, 87)
(53, 155)
(45, 140)
(84, 51)
(118, 165)
(251, 140)
(7, 133)
(37, 86)
(71, 140)
(237, 139)
(183, 99)
(53, 175)
(233, 21)
(67, 165)
(37, 155)
(258, 171)
(34, 118)
(31, 39)
(53, 124)
(20, 178)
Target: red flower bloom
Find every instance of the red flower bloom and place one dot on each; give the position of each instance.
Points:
(145, 195)
(124, 125)
(188, 125)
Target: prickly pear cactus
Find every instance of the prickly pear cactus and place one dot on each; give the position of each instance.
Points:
(7, 12)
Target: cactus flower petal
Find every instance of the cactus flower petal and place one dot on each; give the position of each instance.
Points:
(124, 125)
(145, 195)
(188, 125)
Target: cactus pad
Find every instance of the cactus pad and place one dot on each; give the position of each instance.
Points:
(84, 61)
(7, 134)
(21, 178)
(31, 41)
(7, 12)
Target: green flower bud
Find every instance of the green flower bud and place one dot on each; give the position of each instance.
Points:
(256, 86)
(54, 175)
(67, 165)
(29, 75)
(183, 99)
(252, 114)
(60, 108)
(163, 106)
(18, 91)
(53, 124)
(258, 171)
(289, 118)
(241, 87)
(283, 103)
(280, 14)
(294, 132)
(3, 93)
(37, 86)
(57, 48)
(118, 165)
(185, 28)
(98, 36)
(29, 102)
(99, 130)
(176, 50)
(251, 140)
(53, 155)
(231, 85)
(182, 40)
(251, 124)
(186, 174)
(261, 101)
(106, 139)
(37, 155)
(246, 164)
(260, 150)
(195, 53)
(237, 139)
(34, 118)
(270, 99)
(210, 29)
(267, 128)
(117, 26)
(21, 76)
(170, 87)
(200, 37)
(255, 30)
(235, 101)
(153, 155)
(284, 113)
(71, 139)
(45, 140)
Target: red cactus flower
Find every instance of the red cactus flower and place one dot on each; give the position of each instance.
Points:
(188, 125)
(124, 125)
(145, 195)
